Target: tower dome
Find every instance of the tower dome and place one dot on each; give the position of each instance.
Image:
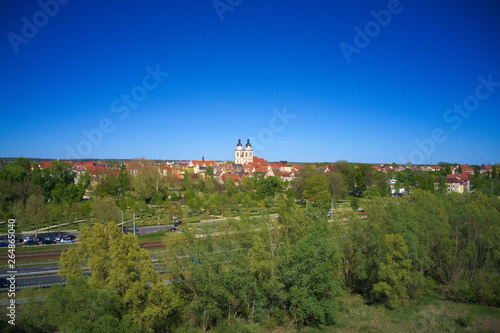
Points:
(243, 156)
(239, 146)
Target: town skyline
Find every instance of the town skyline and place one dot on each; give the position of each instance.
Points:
(236, 160)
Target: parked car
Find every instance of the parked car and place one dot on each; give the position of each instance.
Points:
(48, 242)
(173, 229)
(39, 239)
(4, 244)
(50, 238)
(67, 241)
(59, 238)
(30, 243)
(4, 283)
(27, 238)
(176, 223)
(73, 237)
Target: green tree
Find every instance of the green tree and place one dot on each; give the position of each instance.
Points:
(17, 171)
(309, 272)
(230, 186)
(108, 186)
(394, 273)
(114, 259)
(339, 188)
(120, 269)
(35, 213)
(209, 171)
(146, 182)
(318, 190)
(104, 210)
(34, 315)
(269, 186)
(123, 181)
(79, 307)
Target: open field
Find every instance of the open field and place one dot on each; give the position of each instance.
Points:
(429, 314)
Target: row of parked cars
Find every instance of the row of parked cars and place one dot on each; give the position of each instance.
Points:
(177, 223)
(49, 239)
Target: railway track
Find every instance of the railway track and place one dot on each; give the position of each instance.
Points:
(152, 245)
(23, 257)
(41, 256)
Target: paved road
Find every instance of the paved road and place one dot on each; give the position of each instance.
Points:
(38, 281)
(48, 275)
(30, 270)
(153, 229)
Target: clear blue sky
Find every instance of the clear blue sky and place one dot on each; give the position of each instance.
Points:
(229, 78)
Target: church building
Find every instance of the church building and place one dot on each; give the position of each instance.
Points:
(243, 156)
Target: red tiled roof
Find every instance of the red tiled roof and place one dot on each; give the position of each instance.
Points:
(44, 164)
(206, 163)
(258, 161)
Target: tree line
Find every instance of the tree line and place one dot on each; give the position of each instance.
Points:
(289, 272)
(39, 197)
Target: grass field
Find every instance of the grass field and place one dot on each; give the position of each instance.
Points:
(428, 314)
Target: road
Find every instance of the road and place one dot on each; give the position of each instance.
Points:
(46, 275)
(38, 270)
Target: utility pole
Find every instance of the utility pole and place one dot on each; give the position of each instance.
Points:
(134, 224)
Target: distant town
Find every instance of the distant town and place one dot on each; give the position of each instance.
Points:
(154, 237)
(449, 177)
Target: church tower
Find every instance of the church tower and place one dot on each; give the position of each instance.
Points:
(243, 156)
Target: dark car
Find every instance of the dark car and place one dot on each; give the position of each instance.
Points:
(48, 242)
(30, 243)
(4, 283)
(176, 223)
(173, 229)
(72, 237)
(4, 244)
(39, 239)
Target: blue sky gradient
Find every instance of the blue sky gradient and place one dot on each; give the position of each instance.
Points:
(233, 78)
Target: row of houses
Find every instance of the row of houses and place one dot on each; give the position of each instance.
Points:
(221, 171)
(455, 170)
(196, 169)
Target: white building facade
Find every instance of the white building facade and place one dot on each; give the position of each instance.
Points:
(243, 156)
